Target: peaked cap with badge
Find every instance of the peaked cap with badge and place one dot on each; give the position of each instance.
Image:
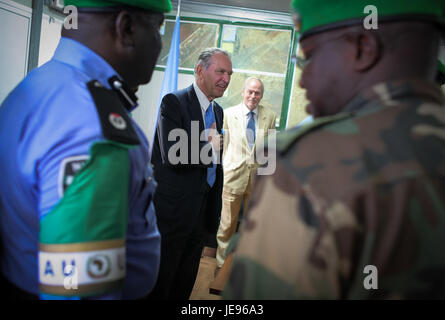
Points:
(314, 16)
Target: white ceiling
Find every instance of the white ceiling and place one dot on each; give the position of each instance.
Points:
(239, 10)
(269, 5)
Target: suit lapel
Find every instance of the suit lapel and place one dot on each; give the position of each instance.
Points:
(262, 125)
(261, 118)
(218, 116)
(240, 118)
(195, 108)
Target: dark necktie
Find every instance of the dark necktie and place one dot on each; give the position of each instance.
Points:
(250, 130)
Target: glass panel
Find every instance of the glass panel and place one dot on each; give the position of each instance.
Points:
(195, 37)
(298, 102)
(273, 92)
(264, 50)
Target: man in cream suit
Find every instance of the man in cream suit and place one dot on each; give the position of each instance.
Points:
(245, 127)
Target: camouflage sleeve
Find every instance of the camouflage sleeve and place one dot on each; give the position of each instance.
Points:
(275, 254)
(380, 241)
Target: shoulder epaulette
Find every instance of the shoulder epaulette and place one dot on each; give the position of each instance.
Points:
(287, 138)
(115, 122)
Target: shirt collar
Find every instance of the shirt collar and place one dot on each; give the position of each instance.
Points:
(203, 101)
(246, 110)
(74, 53)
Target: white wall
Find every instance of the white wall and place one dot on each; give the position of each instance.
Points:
(49, 37)
(15, 27)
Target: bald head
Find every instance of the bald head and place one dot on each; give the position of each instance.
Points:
(254, 79)
(252, 93)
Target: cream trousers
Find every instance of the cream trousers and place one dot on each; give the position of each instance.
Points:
(229, 220)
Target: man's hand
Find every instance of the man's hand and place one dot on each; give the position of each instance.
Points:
(215, 138)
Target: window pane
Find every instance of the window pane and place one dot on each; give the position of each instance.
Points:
(298, 104)
(49, 37)
(264, 50)
(273, 92)
(195, 37)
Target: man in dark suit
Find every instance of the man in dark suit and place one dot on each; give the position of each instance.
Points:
(189, 173)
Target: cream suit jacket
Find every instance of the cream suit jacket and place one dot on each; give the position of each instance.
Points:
(238, 159)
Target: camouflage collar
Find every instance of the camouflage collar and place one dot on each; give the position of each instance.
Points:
(389, 93)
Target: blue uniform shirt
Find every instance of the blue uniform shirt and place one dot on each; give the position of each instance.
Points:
(48, 118)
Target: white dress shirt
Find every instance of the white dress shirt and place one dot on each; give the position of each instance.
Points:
(203, 101)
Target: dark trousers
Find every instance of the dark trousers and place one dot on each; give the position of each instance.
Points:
(180, 259)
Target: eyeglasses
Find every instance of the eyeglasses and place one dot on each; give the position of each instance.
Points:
(302, 62)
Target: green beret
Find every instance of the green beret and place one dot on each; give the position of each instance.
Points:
(152, 5)
(313, 16)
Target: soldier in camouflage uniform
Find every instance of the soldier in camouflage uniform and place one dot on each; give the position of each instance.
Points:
(356, 207)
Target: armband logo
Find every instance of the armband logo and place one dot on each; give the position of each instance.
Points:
(117, 121)
(68, 169)
(99, 266)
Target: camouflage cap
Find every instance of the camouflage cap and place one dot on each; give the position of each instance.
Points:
(313, 16)
(152, 5)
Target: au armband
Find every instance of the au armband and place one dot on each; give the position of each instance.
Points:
(82, 239)
(81, 269)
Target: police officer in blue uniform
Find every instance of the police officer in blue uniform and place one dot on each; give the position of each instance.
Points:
(76, 213)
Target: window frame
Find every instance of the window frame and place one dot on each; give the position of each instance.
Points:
(289, 76)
